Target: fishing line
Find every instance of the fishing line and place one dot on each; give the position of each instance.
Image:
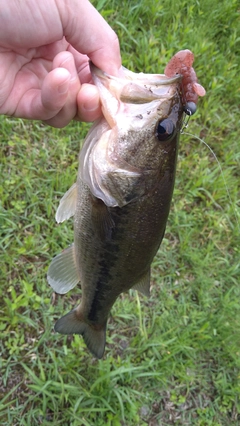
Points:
(185, 125)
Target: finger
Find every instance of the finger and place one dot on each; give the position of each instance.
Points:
(87, 31)
(54, 92)
(69, 109)
(44, 103)
(88, 101)
(82, 65)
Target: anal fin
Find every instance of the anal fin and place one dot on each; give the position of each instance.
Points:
(62, 273)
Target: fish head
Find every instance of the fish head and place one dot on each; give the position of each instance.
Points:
(130, 93)
(136, 140)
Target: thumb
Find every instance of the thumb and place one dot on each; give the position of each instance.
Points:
(86, 30)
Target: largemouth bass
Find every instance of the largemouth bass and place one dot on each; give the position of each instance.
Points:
(122, 196)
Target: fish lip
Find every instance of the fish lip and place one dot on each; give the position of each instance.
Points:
(95, 71)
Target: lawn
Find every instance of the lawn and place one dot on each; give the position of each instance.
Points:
(172, 359)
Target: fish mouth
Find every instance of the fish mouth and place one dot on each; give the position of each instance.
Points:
(151, 79)
(134, 88)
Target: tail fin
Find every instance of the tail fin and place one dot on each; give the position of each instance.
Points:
(95, 338)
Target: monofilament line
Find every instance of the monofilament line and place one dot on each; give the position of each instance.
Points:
(222, 175)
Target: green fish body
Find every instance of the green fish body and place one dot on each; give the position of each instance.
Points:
(121, 199)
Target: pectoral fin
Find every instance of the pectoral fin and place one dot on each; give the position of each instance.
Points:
(67, 205)
(102, 219)
(62, 273)
(143, 284)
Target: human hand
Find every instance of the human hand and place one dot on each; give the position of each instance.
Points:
(45, 49)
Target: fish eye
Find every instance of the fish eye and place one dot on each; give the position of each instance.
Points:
(190, 108)
(165, 130)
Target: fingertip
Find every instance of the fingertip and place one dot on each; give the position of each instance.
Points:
(88, 100)
(55, 89)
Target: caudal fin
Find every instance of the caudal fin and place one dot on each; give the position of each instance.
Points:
(95, 339)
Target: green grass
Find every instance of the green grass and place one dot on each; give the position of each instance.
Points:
(173, 359)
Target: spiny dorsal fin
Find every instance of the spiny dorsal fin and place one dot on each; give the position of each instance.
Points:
(67, 205)
(143, 284)
(62, 273)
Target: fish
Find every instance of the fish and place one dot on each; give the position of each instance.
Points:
(122, 196)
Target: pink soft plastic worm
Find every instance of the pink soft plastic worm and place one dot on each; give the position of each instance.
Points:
(181, 63)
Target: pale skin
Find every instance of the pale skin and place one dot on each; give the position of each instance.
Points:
(45, 47)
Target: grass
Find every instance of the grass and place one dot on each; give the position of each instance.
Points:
(173, 359)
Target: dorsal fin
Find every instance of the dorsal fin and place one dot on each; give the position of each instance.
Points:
(143, 284)
(67, 205)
